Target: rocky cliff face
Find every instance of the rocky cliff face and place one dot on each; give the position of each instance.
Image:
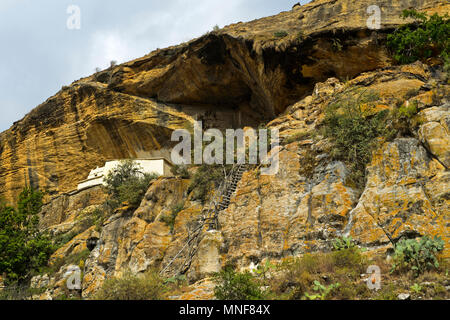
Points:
(241, 76)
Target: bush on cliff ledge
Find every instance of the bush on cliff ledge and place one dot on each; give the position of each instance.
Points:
(232, 285)
(352, 128)
(428, 36)
(148, 286)
(127, 184)
(205, 179)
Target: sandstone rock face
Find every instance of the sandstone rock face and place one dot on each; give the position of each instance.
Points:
(391, 84)
(208, 259)
(309, 202)
(301, 209)
(63, 213)
(328, 15)
(405, 196)
(134, 241)
(435, 133)
(177, 251)
(76, 245)
(160, 199)
(201, 290)
(286, 214)
(238, 76)
(57, 144)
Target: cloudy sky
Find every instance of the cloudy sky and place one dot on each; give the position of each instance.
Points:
(40, 53)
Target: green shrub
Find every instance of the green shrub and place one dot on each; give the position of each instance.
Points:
(148, 286)
(402, 119)
(170, 218)
(353, 130)
(78, 258)
(280, 34)
(297, 278)
(343, 243)
(446, 57)
(349, 258)
(387, 292)
(264, 270)
(98, 218)
(349, 290)
(231, 285)
(176, 280)
(322, 291)
(23, 248)
(64, 238)
(428, 36)
(417, 256)
(416, 288)
(408, 111)
(205, 178)
(127, 184)
(180, 171)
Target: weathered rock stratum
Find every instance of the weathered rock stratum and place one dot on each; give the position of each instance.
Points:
(241, 75)
(283, 71)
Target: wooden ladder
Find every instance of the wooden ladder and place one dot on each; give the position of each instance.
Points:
(209, 220)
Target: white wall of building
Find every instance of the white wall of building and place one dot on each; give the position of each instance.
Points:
(96, 176)
(90, 183)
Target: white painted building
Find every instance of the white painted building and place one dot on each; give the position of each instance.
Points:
(160, 166)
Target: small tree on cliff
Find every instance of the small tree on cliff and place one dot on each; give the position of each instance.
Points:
(426, 37)
(127, 183)
(23, 248)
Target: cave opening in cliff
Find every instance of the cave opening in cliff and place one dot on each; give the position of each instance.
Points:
(228, 82)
